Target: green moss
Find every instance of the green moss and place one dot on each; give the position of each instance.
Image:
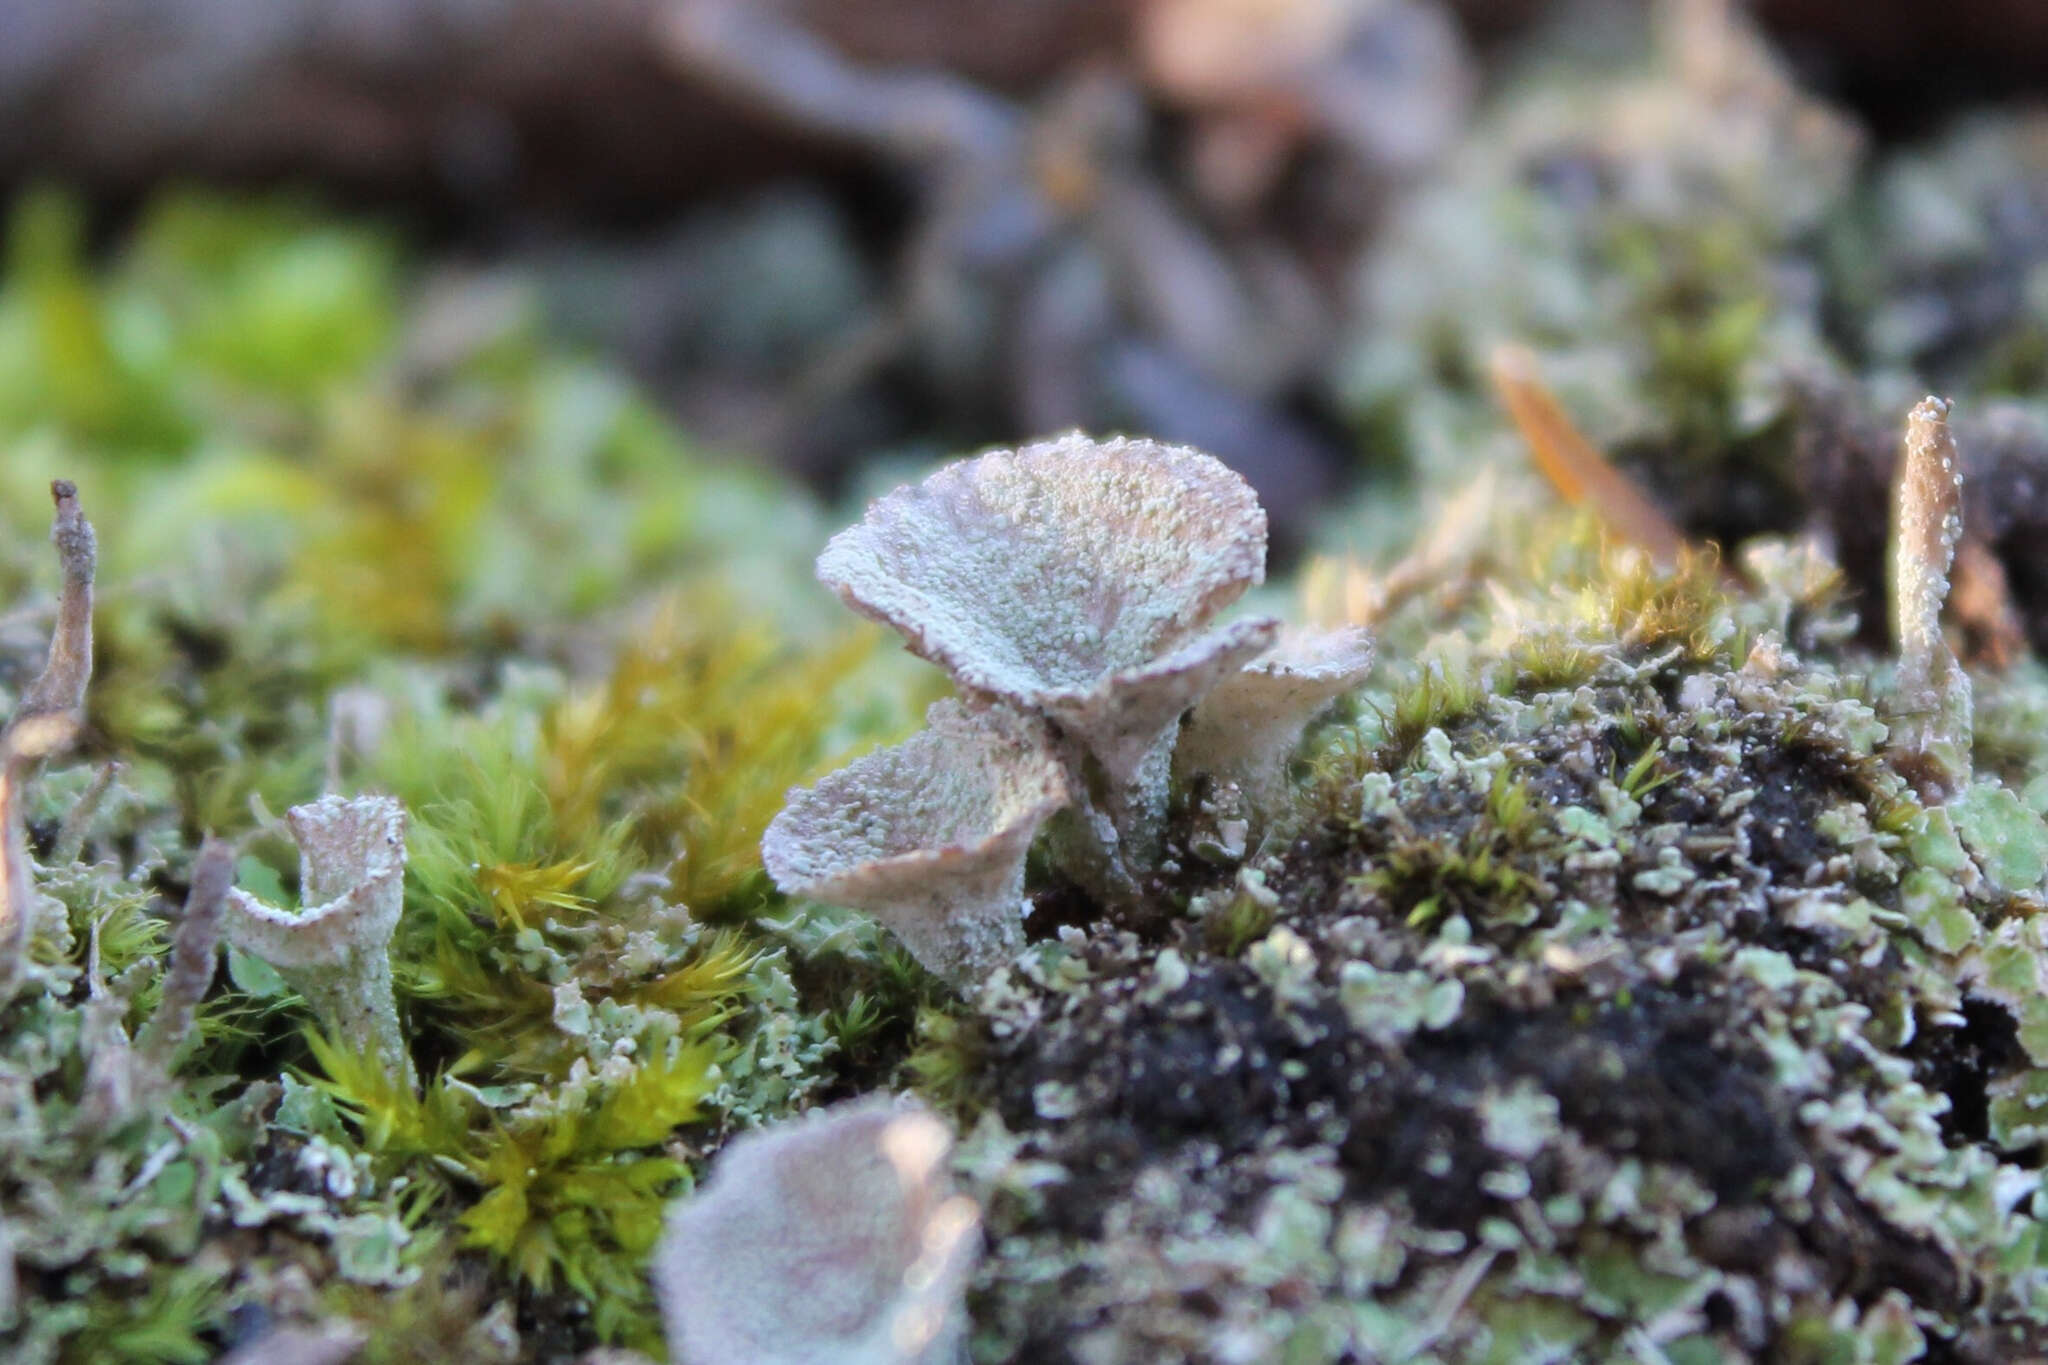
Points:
(492, 582)
(1437, 698)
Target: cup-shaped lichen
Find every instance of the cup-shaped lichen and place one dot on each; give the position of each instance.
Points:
(835, 1239)
(336, 952)
(1071, 579)
(1249, 724)
(929, 835)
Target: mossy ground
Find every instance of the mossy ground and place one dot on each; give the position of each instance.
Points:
(1606, 994)
(1652, 1012)
(491, 582)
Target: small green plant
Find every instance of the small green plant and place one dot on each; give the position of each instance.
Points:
(1486, 872)
(1239, 922)
(1651, 609)
(1435, 698)
(570, 1194)
(1646, 773)
(947, 1060)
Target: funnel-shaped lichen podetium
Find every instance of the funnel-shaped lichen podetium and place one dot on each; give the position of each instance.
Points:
(336, 953)
(1249, 725)
(1073, 580)
(46, 721)
(1931, 725)
(835, 1237)
(929, 836)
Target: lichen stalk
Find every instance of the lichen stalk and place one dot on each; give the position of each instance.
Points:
(46, 721)
(1123, 746)
(193, 952)
(16, 885)
(1931, 735)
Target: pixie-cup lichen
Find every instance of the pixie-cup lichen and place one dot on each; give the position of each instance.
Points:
(336, 952)
(1247, 727)
(1074, 580)
(834, 1239)
(1068, 588)
(929, 835)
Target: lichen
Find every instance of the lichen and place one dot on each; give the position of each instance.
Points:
(336, 952)
(1074, 580)
(836, 1238)
(930, 835)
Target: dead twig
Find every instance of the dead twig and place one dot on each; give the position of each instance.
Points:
(46, 722)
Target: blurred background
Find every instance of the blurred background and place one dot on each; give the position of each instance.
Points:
(832, 237)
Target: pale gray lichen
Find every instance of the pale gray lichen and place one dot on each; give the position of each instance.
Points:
(833, 1239)
(1246, 728)
(929, 835)
(194, 950)
(1067, 586)
(1931, 733)
(1071, 579)
(336, 953)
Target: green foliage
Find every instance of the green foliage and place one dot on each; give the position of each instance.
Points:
(1650, 609)
(948, 1060)
(1239, 922)
(1699, 298)
(166, 1326)
(1487, 870)
(1550, 660)
(271, 299)
(565, 1193)
(693, 741)
(64, 359)
(1646, 772)
(569, 1198)
(110, 1166)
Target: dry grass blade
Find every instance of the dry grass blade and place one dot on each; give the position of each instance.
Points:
(1579, 472)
